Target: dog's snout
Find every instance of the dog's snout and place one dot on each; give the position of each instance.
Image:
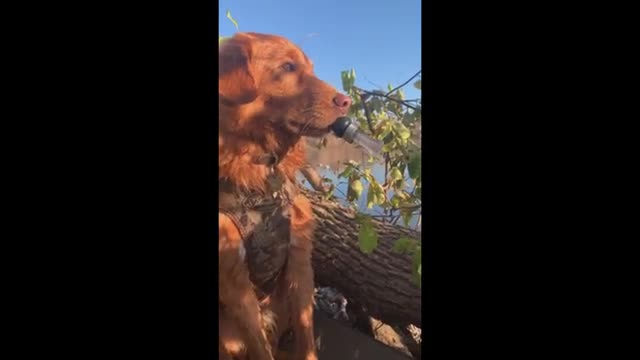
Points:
(342, 101)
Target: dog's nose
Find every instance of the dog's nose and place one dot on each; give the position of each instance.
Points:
(342, 101)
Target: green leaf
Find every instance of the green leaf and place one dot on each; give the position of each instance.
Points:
(363, 123)
(386, 130)
(367, 175)
(417, 114)
(388, 147)
(356, 187)
(395, 174)
(375, 194)
(418, 84)
(376, 104)
(399, 184)
(346, 172)
(395, 201)
(370, 197)
(415, 166)
(403, 132)
(406, 216)
(367, 237)
(404, 244)
(329, 194)
(344, 76)
(347, 80)
(408, 118)
(232, 19)
(417, 265)
(354, 111)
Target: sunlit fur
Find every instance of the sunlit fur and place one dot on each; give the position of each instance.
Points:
(266, 107)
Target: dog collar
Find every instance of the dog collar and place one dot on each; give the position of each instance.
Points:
(268, 159)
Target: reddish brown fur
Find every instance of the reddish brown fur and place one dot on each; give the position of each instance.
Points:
(263, 109)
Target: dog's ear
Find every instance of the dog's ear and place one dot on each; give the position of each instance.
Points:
(236, 83)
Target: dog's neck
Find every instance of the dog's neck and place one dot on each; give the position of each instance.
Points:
(242, 143)
(241, 159)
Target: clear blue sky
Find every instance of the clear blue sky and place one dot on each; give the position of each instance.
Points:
(380, 39)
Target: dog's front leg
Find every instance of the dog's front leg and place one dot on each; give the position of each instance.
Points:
(299, 276)
(236, 291)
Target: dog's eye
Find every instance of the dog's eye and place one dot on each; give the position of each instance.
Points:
(289, 67)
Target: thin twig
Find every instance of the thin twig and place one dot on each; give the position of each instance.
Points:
(380, 94)
(314, 178)
(341, 192)
(392, 216)
(372, 83)
(366, 111)
(387, 160)
(405, 83)
(415, 187)
(408, 207)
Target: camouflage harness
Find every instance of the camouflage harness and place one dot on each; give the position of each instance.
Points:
(264, 222)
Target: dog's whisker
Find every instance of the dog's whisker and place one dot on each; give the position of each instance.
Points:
(306, 125)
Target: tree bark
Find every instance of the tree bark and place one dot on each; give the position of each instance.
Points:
(380, 281)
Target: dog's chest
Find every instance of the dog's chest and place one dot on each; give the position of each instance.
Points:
(265, 225)
(267, 250)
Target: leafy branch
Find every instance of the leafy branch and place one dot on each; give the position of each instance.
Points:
(390, 118)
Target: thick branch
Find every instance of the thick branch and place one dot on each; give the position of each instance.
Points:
(380, 281)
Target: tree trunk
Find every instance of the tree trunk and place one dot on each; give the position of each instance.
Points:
(380, 281)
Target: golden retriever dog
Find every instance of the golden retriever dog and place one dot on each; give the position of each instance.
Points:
(269, 100)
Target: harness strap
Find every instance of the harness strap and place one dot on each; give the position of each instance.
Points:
(263, 220)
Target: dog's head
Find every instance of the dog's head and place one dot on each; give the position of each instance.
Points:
(268, 83)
